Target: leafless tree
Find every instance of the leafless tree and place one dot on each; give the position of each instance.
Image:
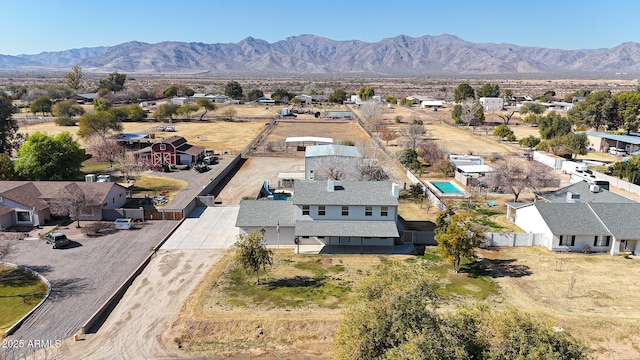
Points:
(540, 177)
(428, 204)
(367, 171)
(34, 93)
(414, 134)
(129, 166)
(516, 175)
(372, 165)
(471, 112)
(336, 167)
(372, 112)
(105, 149)
(506, 117)
(386, 134)
(72, 202)
(430, 152)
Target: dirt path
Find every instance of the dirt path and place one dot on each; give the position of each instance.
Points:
(136, 328)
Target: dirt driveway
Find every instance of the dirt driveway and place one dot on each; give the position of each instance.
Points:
(82, 277)
(136, 329)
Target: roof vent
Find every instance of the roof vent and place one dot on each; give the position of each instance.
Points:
(594, 188)
(573, 197)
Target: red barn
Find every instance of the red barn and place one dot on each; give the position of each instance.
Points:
(173, 150)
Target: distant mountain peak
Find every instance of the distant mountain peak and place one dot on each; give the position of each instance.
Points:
(308, 54)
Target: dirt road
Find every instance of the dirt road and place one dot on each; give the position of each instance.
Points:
(136, 328)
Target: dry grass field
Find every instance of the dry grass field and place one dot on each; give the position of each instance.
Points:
(219, 324)
(580, 293)
(594, 297)
(217, 135)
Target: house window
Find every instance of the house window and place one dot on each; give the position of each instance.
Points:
(345, 211)
(305, 209)
(384, 211)
(602, 240)
(163, 147)
(368, 210)
(567, 240)
(23, 216)
(321, 210)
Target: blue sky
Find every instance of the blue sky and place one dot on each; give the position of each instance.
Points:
(34, 26)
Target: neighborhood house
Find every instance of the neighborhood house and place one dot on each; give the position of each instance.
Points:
(581, 217)
(351, 213)
(30, 203)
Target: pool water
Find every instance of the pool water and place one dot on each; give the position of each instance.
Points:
(447, 187)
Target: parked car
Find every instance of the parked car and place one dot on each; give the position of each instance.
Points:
(170, 129)
(616, 151)
(210, 160)
(56, 239)
(123, 223)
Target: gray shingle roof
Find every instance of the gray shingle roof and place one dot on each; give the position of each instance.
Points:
(346, 228)
(620, 219)
(256, 213)
(309, 192)
(582, 188)
(574, 219)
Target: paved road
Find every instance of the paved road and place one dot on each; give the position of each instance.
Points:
(206, 228)
(82, 276)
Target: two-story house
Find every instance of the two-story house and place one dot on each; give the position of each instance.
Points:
(356, 213)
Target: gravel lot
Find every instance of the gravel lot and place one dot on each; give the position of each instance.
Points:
(82, 276)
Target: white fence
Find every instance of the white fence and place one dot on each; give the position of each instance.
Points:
(616, 182)
(513, 239)
(435, 200)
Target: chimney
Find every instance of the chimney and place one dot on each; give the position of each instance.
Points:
(395, 190)
(331, 185)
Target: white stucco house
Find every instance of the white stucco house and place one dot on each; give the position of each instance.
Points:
(350, 213)
(491, 103)
(581, 215)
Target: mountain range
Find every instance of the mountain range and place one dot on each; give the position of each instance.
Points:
(314, 55)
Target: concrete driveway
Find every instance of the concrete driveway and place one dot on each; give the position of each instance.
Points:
(205, 228)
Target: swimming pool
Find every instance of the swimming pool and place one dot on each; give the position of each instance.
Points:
(447, 187)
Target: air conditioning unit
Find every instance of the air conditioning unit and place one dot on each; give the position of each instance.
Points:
(594, 188)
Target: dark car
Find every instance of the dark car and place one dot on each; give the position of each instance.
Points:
(56, 239)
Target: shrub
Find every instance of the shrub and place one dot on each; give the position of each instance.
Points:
(98, 228)
(65, 121)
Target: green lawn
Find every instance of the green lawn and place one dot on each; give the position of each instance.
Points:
(19, 293)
